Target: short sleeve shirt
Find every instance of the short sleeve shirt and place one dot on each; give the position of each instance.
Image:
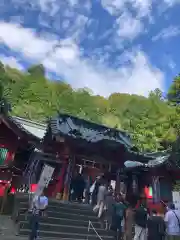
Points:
(172, 222)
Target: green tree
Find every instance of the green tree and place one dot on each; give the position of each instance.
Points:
(4, 106)
(152, 122)
(174, 91)
(37, 71)
(157, 93)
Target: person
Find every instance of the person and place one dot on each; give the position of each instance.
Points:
(72, 187)
(156, 227)
(118, 217)
(100, 199)
(38, 207)
(109, 202)
(95, 185)
(78, 186)
(88, 182)
(129, 221)
(140, 219)
(172, 220)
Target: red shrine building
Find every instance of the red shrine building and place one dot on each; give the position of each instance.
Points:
(66, 143)
(70, 145)
(16, 147)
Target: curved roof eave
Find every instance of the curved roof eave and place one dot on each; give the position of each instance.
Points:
(34, 128)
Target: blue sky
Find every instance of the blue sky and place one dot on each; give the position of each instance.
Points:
(129, 46)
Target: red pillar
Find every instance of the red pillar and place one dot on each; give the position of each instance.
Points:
(60, 181)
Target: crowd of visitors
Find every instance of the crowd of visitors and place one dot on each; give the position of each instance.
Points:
(133, 220)
(127, 218)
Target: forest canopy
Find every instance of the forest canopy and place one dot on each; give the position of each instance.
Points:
(153, 122)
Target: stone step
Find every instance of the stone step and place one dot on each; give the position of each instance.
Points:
(67, 229)
(69, 215)
(83, 210)
(56, 203)
(69, 235)
(63, 221)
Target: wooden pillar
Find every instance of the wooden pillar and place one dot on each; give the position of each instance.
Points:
(120, 182)
(68, 177)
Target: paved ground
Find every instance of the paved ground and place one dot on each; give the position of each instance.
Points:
(7, 231)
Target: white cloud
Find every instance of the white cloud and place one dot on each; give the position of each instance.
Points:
(166, 33)
(138, 78)
(66, 60)
(51, 7)
(171, 2)
(11, 61)
(142, 7)
(166, 4)
(24, 41)
(113, 6)
(65, 51)
(129, 27)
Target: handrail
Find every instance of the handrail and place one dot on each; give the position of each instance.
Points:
(90, 226)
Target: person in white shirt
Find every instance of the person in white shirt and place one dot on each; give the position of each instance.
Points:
(102, 192)
(39, 205)
(172, 220)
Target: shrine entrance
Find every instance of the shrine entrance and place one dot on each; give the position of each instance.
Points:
(93, 168)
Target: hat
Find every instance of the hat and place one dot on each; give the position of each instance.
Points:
(171, 206)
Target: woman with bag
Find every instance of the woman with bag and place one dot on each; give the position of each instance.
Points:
(172, 220)
(102, 192)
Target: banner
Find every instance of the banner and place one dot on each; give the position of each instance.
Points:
(45, 178)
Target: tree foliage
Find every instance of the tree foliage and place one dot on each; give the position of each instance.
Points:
(153, 122)
(174, 91)
(37, 71)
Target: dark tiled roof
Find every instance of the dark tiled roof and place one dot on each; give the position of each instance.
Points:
(79, 129)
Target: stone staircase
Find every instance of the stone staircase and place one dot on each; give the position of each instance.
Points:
(65, 221)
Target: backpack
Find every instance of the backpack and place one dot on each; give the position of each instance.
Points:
(120, 210)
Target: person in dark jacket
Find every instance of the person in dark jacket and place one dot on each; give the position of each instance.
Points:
(109, 202)
(119, 211)
(156, 227)
(140, 219)
(78, 186)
